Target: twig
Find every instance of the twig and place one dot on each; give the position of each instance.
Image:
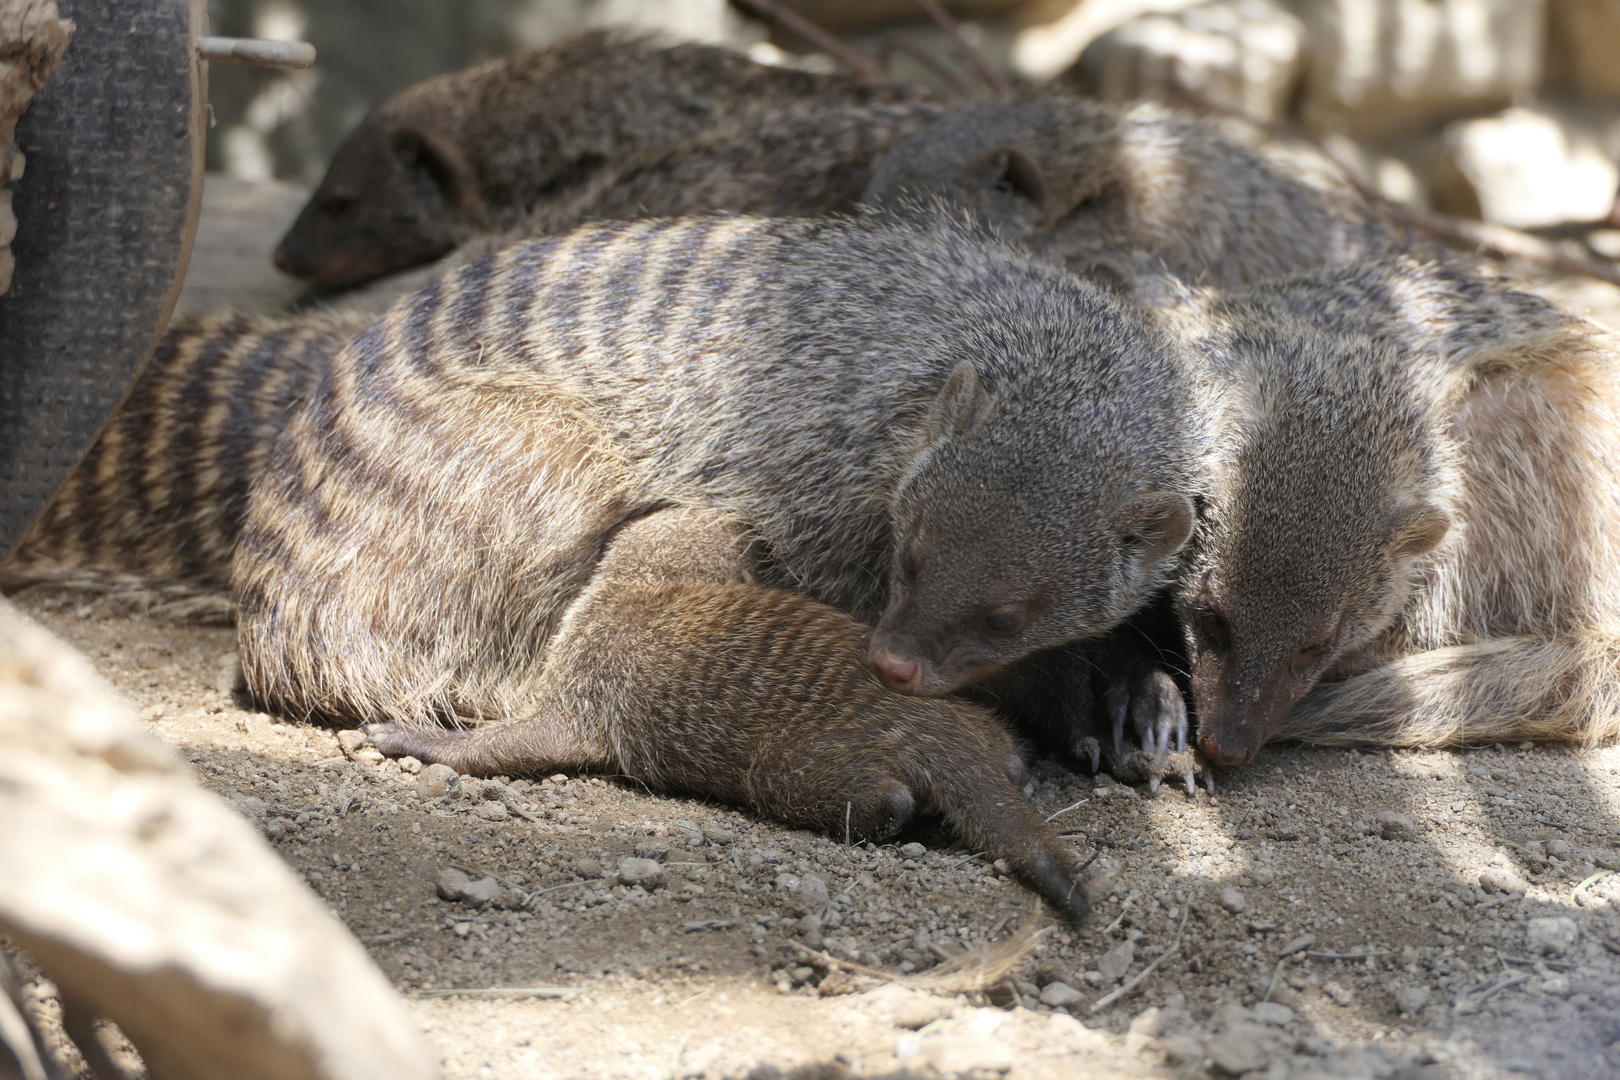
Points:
(1347, 955)
(864, 69)
(964, 862)
(994, 79)
(1501, 986)
(505, 991)
(894, 42)
(1502, 239)
(1131, 983)
(693, 998)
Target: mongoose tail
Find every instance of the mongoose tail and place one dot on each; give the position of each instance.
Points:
(1562, 689)
(1413, 536)
(149, 516)
(675, 670)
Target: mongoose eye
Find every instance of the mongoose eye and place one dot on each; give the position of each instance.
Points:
(1211, 625)
(1315, 652)
(1004, 622)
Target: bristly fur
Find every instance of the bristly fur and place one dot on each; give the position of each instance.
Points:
(149, 516)
(429, 530)
(1414, 498)
(1133, 192)
(475, 151)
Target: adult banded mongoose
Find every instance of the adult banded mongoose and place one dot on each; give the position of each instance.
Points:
(151, 513)
(1411, 530)
(1133, 192)
(474, 150)
(919, 428)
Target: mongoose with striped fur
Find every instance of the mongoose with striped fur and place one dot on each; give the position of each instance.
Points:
(921, 429)
(1133, 192)
(475, 150)
(151, 512)
(1411, 531)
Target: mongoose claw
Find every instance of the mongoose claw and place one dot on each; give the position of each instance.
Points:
(1154, 745)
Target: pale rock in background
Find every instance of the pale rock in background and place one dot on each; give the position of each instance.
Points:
(1525, 167)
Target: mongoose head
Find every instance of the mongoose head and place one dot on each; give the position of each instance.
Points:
(398, 187)
(1044, 509)
(1019, 167)
(1326, 492)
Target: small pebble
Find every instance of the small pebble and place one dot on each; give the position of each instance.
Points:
(809, 895)
(589, 869)
(644, 872)
(1558, 849)
(1233, 901)
(1060, 994)
(1116, 961)
(1501, 880)
(912, 850)
(437, 780)
(1411, 998)
(1551, 936)
(1393, 826)
(1236, 1052)
(493, 811)
(653, 848)
(455, 886)
(1273, 1013)
(350, 741)
(409, 766)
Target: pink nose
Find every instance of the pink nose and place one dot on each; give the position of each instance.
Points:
(1212, 750)
(898, 674)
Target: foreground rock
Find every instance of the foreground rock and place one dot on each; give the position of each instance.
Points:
(149, 902)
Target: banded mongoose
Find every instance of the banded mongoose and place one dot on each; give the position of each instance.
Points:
(472, 151)
(924, 417)
(1411, 533)
(1133, 192)
(642, 679)
(151, 513)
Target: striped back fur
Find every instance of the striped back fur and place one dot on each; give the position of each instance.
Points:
(153, 510)
(454, 479)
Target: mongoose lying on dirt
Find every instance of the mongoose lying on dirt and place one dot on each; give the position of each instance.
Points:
(644, 677)
(879, 406)
(474, 150)
(152, 511)
(1132, 191)
(1411, 534)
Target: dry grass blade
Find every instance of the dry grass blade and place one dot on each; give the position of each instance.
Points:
(1131, 983)
(973, 972)
(994, 79)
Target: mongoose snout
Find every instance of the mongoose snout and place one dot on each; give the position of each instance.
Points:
(897, 673)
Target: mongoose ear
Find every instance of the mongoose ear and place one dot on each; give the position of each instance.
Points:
(1015, 184)
(961, 405)
(1417, 529)
(1155, 525)
(441, 161)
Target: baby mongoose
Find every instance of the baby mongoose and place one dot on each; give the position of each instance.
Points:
(151, 512)
(921, 428)
(653, 673)
(1131, 192)
(473, 151)
(1411, 530)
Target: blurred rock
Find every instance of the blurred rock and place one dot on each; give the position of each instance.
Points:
(1050, 47)
(1583, 47)
(1525, 167)
(1551, 936)
(1242, 55)
(1380, 71)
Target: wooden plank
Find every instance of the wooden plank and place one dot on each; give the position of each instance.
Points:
(106, 213)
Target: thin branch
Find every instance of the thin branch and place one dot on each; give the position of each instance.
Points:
(994, 79)
(864, 69)
(1131, 984)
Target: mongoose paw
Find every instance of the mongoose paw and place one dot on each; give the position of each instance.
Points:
(1148, 726)
(402, 740)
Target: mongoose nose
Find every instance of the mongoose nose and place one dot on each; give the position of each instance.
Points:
(898, 674)
(284, 262)
(1213, 751)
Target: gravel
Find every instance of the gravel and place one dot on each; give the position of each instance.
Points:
(1382, 895)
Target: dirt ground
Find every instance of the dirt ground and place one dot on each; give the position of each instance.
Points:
(1326, 913)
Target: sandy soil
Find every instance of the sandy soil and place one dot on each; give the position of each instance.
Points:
(1387, 903)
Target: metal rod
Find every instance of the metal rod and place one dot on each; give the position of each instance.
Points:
(258, 52)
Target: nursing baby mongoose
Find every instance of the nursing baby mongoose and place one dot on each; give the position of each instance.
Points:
(1132, 191)
(151, 512)
(920, 428)
(474, 150)
(1411, 533)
